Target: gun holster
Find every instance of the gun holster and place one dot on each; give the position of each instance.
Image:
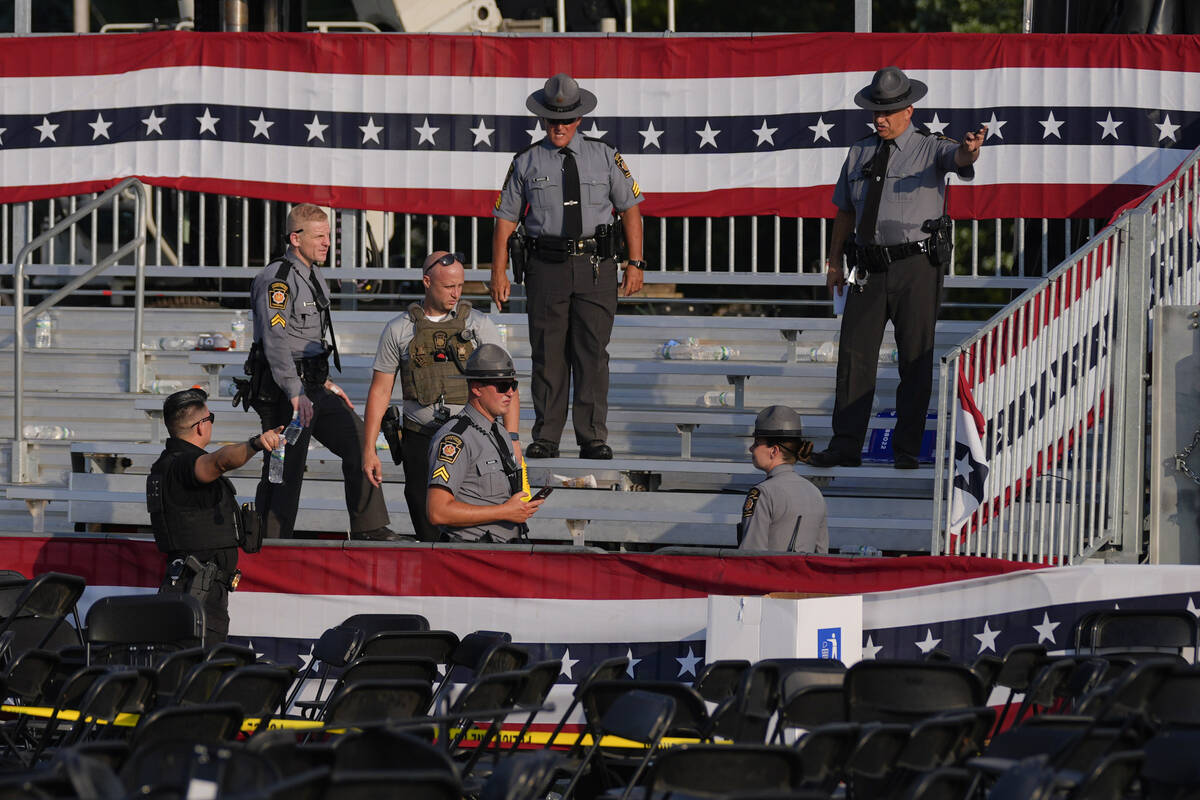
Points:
(390, 425)
(941, 239)
(250, 528)
(260, 387)
(606, 242)
(518, 254)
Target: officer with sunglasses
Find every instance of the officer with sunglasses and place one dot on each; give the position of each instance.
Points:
(474, 478)
(572, 185)
(429, 346)
(194, 512)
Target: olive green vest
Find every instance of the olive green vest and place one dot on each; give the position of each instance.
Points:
(437, 356)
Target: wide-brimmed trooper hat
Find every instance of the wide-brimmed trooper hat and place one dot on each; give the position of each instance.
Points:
(489, 362)
(561, 98)
(890, 90)
(777, 422)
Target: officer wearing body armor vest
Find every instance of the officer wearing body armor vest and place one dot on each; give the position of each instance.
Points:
(194, 511)
(474, 479)
(289, 376)
(428, 345)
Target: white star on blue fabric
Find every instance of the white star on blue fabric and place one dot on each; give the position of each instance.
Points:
(483, 134)
(1191, 606)
(262, 126)
(650, 136)
(2, 130)
(987, 639)
(1045, 631)
(208, 122)
(929, 642)
(633, 662)
(821, 129)
(100, 127)
(535, 133)
(963, 466)
(1165, 129)
(935, 125)
(687, 664)
(316, 129)
(708, 135)
(306, 658)
(1050, 126)
(765, 134)
(595, 132)
(154, 123)
(870, 650)
(994, 125)
(371, 131)
(1109, 127)
(426, 132)
(568, 664)
(46, 129)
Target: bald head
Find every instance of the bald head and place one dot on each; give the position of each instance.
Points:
(443, 282)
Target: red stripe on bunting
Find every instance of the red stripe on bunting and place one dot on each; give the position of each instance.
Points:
(966, 202)
(589, 56)
(296, 569)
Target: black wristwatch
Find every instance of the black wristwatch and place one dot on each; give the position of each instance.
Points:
(633, 263)
(516, 437)
(255, 443)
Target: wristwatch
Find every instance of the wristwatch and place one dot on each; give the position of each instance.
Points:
(634, 263)
(516, 437)
(255, 443)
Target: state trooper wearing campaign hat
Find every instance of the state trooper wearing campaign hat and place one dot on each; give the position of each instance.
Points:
(893, 226)
(474, 492)
(785, 512)
(572, 186)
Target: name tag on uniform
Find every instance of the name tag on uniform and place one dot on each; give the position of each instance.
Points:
(493, 461)
(540, 180)
(309, 303)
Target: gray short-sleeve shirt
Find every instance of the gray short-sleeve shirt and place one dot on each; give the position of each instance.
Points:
(772, 508)
(913, 191)
(287, 318)
(464, 458)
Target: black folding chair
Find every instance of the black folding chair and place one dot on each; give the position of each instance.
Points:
(258, 689)
(1153, 633)
(522, 776)
(718, 681)
(336, 648)
(639, 716)
(908, 691)
(376, 702)
(708, 770)
(38, 610)
(610, 669)
(208, 722)
(374, 784)
(371, 624)
(139, 629)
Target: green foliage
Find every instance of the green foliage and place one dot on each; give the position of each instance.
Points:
(800, 16)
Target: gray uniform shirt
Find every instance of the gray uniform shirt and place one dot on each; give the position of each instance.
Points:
(535, 177)
(913, 191)
(287, 319)
(464, 459)
(769, 514)
(393, 349)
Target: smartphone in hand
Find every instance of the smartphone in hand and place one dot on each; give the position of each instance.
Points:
(542, 493)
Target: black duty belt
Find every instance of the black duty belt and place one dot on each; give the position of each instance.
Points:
(572, 247)
(878, 257)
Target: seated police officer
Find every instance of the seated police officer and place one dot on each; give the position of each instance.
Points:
(193, 509)
(474, 479)
(429, 345)
(289, 376)
(785, 512)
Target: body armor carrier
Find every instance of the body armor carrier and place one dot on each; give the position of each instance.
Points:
(191, 529)
(437, 357)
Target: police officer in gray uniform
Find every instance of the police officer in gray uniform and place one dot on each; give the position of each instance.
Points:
(474, 479)
(891, 195)
(785, 512)
(289, 375)
(428, 345)
(571, 185)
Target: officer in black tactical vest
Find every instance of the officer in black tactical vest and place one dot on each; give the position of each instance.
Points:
(194, 511)
(474, 478)
(429, 345)
(289, 375)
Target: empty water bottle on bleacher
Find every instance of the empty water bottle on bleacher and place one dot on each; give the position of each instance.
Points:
(239, 330)
(43, 331)
(825, 351)
(290, 434)
(692, 350)
(717, 398)
(177, 342)
(46, 432)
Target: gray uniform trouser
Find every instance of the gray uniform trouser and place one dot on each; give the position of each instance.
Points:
(909, 294)
(570, 322)
(337, 427)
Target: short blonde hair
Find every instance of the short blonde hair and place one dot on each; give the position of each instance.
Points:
(305, 212)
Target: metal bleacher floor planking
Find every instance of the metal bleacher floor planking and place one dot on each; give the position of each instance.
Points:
(657, 419)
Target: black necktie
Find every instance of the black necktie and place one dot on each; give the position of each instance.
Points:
(878, 170)
(572, 212)
(318, 287)
(506, 457)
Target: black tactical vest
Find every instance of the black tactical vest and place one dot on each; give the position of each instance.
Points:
(437, 356)
(191, 529)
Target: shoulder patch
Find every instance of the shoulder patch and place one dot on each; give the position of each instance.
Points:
(441, 473)
(620, 162)
(278, 320)
(449, 448)
(507, 177)
(277, 294)
(751, 502)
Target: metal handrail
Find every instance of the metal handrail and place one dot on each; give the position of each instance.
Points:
(21, 317)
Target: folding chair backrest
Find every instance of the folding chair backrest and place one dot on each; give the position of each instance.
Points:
(384, 748)
(812, 706)
(1021, 664)
(523, 776)
(172, 668)
(411, 785)
(475, 646)
(40, 607)
(338, 646)
(798, 673)
(107, 697)
(690, 716)
(371, 624)
(1175, 701)
(437, 645)
(487, 693)
(28, 673)
(1170, 768)
(198, 684)
(244, 656)
(207, 722)
(376, 701)
(389, 667)
(726, 769)
(258, 689)
(502, 657)
(719, 680)
(137, 628)
(539, 680)
(1153, 631)
(907, 691)
(638, 716)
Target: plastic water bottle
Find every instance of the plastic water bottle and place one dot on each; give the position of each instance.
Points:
(166, 387)
(238, 332)
(503, 336)
(888, 355)
(43, 331)
(717, 399)
(825, 351)
(177, 342)
(691, 350)
(46, 432)
(211, 341)
(290, 434)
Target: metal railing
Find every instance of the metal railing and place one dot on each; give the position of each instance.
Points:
(21, 317)
(1060, 377)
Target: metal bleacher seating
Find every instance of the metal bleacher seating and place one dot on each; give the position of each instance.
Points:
(683, 465)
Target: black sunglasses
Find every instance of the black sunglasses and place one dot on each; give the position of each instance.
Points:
(211, 416)
(503, 387)
(447, 260)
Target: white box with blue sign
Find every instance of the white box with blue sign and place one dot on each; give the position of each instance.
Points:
(755, 627)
